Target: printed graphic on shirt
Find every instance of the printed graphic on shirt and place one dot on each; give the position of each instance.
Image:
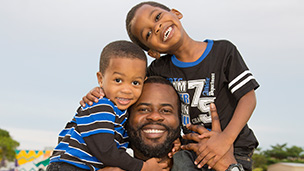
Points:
(201, 97)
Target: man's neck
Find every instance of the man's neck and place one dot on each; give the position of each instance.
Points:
(140, 156)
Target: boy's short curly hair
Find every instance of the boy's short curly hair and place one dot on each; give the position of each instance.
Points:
(120, 49)
(131, 15)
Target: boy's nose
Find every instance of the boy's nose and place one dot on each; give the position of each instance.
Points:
(157, 28)
(126, 89)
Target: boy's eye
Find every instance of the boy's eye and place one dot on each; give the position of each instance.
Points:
(148, 34)
(157, 17)
(118, 80)
(135, 83)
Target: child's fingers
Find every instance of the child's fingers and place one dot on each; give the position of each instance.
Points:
(201, 155)
(208, 157)
(214, 161)
(82, 103)
(205, 135)
(191, 136)
(197, 128)
(190, 146)
(216, 125)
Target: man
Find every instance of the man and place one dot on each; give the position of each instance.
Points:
(154, 124)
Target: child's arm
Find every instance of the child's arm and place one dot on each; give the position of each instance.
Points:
(219, 144)
(92, 96)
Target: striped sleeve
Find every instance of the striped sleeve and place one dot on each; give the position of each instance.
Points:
(240, 78)
(95, 120)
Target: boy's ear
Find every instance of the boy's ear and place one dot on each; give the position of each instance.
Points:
(154, 54)
(177, 13)
(99, 78)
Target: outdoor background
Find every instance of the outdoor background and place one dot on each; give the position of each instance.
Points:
(49, 53)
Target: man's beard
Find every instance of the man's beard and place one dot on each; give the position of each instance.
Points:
(150, 151)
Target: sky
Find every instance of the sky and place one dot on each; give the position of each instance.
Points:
(49, 53)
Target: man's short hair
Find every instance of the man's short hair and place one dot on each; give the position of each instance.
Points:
(131, 15)
(120, 49)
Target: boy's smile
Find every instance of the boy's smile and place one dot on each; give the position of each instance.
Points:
(157, 28)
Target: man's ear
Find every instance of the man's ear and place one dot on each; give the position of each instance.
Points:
(154, 54)
(177, 13)
(99, 78)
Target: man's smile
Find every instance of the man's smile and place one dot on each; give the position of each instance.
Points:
(153, 131)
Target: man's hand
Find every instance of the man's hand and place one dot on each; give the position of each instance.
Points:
(200, 147)
(93, 96)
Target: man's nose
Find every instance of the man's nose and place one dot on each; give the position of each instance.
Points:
(157, 28)
(155, 116)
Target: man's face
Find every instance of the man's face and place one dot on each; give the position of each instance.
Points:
(154, 120)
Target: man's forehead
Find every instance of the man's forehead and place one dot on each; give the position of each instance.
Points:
(158, 93)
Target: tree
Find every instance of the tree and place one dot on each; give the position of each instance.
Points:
(259, 160)
(278, 152)
(294, 151)
(7, 146)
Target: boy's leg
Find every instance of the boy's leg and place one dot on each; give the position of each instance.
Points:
(244, 157)
(184, 161)
(61, 166)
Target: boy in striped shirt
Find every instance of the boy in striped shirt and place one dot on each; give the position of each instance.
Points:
(96, 136)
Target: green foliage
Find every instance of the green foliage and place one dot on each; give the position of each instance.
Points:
(277, 153)
(7, 146)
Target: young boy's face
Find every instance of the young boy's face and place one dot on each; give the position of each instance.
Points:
(157, 28)
(123, 80)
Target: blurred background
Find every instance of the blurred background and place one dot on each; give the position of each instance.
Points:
(50, 51)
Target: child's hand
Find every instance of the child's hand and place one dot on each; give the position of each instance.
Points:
(216, 146)
(154, 164)
(176, 147)
(93, 96)
(204, 150)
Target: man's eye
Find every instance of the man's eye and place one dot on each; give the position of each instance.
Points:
(118, 80)
(148, 34)
(135, 83)
(144, 110)
(165, 111)
(157, 17)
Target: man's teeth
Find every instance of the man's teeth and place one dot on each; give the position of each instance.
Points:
(167, 33)
(151, 131)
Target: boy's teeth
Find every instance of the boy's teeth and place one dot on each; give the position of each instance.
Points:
(167, 33)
